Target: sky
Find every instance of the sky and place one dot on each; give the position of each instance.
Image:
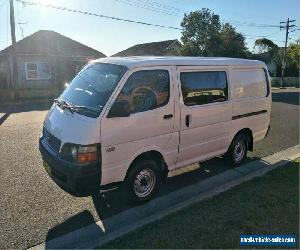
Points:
(111, 36)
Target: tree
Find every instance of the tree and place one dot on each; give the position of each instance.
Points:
(200, 35)
(273, 53)
(267, 46)
(270, 53)
(204, 35)
(293, 56)
(232, 42)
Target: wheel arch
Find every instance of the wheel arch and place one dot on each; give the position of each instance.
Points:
(248, 132)
(152, 154)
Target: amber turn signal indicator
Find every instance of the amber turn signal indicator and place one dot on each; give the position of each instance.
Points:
(86, 157)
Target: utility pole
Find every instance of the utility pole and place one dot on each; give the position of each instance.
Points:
(14, 68)
(287, 26)
(21, 28)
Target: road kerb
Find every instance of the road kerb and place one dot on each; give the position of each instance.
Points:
(116, 226)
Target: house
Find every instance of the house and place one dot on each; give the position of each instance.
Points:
(44, 59)
(163, 48)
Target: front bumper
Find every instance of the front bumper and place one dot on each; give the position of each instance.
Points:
(78, 180)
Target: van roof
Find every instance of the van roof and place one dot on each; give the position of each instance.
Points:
(144, 61)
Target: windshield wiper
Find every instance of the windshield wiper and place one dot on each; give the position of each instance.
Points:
(61, 102)
(64, 104)
(89, 109)
(74, 108)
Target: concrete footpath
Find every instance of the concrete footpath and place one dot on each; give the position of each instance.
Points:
(116, 226)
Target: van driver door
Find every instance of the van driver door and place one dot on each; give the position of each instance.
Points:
(148, 95)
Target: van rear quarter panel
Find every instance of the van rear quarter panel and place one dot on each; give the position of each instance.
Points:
(249, 89)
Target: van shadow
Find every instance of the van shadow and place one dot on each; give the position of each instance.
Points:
(286, 97)
(83, 219)
(110, 203)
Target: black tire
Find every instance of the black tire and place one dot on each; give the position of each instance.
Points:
(237, 151)
(141, 177)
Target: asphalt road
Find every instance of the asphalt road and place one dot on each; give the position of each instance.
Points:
(33, 209)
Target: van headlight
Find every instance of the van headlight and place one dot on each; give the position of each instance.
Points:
(78, 153)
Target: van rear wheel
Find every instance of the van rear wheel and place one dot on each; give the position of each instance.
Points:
(237, 151)
(143, 180)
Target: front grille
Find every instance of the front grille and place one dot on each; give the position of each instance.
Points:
(51, 140)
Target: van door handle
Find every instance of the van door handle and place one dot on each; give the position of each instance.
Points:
(169, 116)
(188, 120)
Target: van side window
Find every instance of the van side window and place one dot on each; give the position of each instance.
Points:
(146, 90)
(249, 83)
(204, 87)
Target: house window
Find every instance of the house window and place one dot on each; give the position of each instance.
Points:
(37, 71)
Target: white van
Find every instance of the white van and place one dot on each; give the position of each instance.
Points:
(131, 120)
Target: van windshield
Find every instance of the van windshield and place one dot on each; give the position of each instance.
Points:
(92, 87)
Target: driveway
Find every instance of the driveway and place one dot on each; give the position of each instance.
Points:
(33, 209)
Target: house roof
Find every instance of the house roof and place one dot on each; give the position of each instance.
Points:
(162, 48)
(144, 61)
(46, 42)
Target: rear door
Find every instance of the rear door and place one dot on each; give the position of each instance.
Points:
(205, 113)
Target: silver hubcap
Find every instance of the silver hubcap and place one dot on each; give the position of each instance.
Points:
(144, 183)
(239, 151)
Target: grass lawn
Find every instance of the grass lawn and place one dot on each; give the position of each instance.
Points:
(264, 205)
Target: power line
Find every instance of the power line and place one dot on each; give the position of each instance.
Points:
(170, 10)
(256, 35)
(251, 24)
(158, 5)
(95, 14)
(165, 6)
(147, 5)
(278, 41)
(261, 36)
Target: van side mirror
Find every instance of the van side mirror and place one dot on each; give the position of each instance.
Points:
(119, 109)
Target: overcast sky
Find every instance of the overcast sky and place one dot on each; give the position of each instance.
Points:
(110, 36)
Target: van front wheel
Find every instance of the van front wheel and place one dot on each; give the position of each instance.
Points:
(237, 151)
(143, 180)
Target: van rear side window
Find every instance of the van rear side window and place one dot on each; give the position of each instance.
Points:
(204, 87)
(249, 83)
